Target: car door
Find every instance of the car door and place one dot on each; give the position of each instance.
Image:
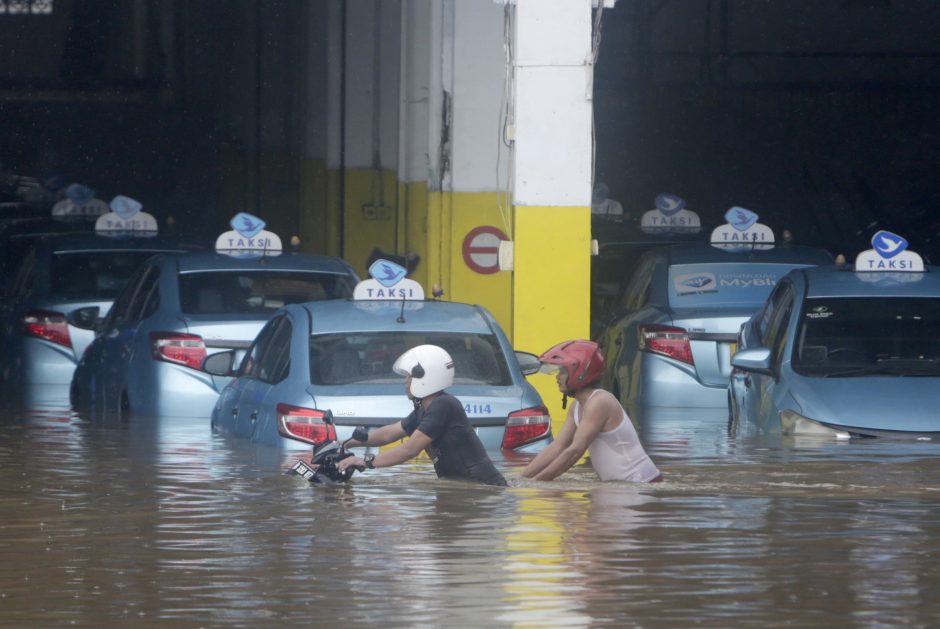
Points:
(20, 292)
(766, 389)
(753, 334)
(111, 350)
(623, 353)
(256, 376)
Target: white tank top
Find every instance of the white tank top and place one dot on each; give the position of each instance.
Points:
(618, 453)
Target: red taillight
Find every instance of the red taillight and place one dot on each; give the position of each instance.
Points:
(666, 340)
(526, 426)
(45, 324)
(304, 424)
(175, 347)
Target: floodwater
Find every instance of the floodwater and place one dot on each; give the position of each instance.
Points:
(160, 522)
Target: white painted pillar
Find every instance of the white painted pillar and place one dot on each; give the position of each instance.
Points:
(553, 73)
(551, 181)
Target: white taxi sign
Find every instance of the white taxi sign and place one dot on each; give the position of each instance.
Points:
(742, 232)
(388, 282)
(125, 218)
(248, 238)
(670, 217)
(80, 202)
(889, 253)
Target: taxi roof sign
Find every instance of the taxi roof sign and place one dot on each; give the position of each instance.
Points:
(742, 232)
(388, 283)
(889, 253)
(126, 219)
(670, 217)
(248, 238)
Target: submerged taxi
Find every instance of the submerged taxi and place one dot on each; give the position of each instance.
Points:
(61, 278)
(680, 313)
(331, 361)
(180, 308)
(845, 350)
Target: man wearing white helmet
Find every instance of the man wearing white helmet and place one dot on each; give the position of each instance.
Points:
(438, 425)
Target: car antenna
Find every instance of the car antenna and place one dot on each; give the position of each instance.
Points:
(401, 315)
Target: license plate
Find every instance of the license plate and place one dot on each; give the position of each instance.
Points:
(302, 469)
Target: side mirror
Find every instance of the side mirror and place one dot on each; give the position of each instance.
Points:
(220, 364)
(529, 363)
(84, 318)
(756, 359)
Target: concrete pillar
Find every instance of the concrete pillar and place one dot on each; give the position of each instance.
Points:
(495, 144)
(551, 182)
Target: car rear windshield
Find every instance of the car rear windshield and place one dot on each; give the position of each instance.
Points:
(369, 356)
(93, 274)
(868, 336)
(262, 292)
(723, 285)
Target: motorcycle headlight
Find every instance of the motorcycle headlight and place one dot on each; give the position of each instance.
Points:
(792, 423)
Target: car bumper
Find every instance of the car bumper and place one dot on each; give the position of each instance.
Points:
(174, 391)
(665, 383)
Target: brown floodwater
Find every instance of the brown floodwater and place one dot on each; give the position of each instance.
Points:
(161, 522)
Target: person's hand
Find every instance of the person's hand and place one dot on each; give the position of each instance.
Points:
(354, 461)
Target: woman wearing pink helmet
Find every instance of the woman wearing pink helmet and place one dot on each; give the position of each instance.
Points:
(596, 422)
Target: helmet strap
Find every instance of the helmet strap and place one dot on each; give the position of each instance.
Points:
(564, 401)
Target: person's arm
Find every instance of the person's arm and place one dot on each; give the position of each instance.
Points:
(406, 451)
(381, 436)
(393, 456)
(552, 450)
(593, 418)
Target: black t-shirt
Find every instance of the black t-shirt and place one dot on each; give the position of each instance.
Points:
(455, 448)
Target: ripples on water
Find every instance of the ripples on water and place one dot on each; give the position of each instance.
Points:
(162, 522)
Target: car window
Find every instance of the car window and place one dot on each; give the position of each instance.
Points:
(120, 309)
(152, 301)
(767, 312)
(251, 364)
(275, 361)
(636, 293)
(244, 292)
(93, 274)
(368, 356)
(144, 287)
(777, 331)
(25, 275)
(868, 336)
(723, 284)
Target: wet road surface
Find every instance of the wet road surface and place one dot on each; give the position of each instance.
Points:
(160, 522)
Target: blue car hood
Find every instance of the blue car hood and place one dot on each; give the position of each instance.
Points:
(908, 404)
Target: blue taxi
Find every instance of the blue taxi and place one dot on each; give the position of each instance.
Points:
(180, 308)
(333, 359)
(681, 310)
(58, 279)
(844, 350)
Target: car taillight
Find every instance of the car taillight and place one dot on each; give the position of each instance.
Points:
(526, 426)
(666, 340)
(48, 325)
(175, 347)
(304, 424)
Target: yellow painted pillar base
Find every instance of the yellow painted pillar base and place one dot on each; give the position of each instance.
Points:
(551, 286)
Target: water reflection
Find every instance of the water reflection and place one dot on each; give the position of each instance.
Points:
(159, 520)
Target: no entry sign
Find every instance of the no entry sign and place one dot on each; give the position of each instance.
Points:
(481, 249)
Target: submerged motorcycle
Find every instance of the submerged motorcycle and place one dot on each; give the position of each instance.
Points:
(323, 469)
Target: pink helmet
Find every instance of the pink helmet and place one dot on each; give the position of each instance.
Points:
(581, 359)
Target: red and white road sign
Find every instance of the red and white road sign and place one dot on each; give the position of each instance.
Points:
(481, 249)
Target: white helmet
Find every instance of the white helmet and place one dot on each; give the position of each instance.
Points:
(431, 369)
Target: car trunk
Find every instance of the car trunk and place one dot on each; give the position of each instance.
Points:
(219, 334)
(712, 337)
